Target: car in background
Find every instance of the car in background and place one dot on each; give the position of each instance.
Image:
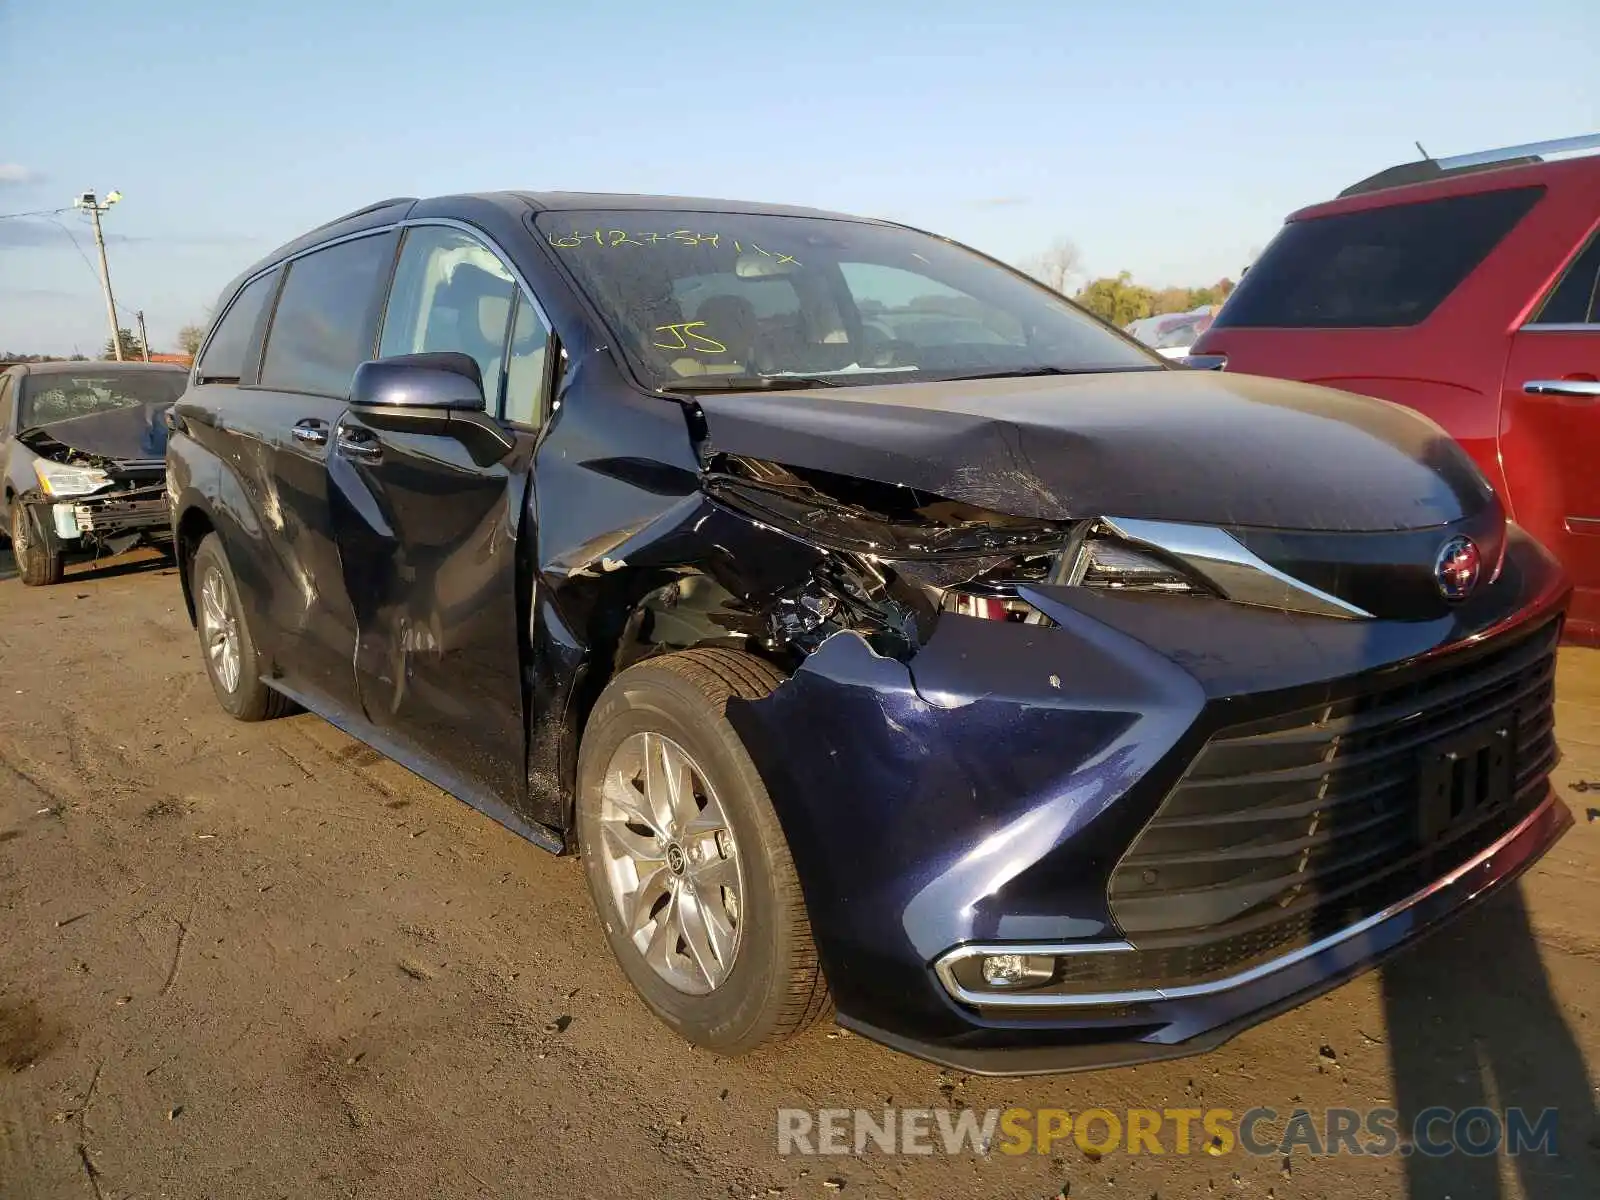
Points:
(1468, 289)
(1172, 335)
(881, 629)
(82, 460)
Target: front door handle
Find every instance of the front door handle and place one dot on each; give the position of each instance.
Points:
(1580, 391)
(313, 431)
(360, 446)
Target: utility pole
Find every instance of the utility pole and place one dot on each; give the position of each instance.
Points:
(96, 209)
(144, 338)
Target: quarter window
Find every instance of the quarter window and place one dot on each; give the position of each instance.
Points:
(450, 293)
(1576, 297)
(1379, 267)
(223, 360)
(525, 366)
(327, 316)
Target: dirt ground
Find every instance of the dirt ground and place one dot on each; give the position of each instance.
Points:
(260, 961)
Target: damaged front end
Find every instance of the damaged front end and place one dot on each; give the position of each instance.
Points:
(92, 502)
(894, 558)
(1071, 792)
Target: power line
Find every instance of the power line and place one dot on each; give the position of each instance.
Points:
(43, 212)
(68, 233)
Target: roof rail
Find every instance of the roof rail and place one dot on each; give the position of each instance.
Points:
(1588, 141)
(1461, 164)
(365, 209)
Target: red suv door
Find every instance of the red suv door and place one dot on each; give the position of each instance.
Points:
(1550, 427)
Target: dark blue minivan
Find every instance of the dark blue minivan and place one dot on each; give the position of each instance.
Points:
(885, 633)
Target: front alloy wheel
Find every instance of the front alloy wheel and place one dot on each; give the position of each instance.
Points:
(34, 545)
(671, 861)
(685, 858)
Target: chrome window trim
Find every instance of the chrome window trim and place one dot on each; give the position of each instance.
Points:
(943, 966)
(1561, 327)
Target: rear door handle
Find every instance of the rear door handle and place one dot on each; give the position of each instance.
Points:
(362, 447)
(313, 431)
(1582, 391)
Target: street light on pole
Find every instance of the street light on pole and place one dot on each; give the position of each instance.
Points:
(97, 208)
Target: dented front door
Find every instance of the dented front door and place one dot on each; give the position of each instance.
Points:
(427, 512)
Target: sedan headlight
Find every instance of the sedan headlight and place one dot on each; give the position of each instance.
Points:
(63, 479)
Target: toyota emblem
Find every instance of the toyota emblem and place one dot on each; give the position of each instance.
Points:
(1456, 569)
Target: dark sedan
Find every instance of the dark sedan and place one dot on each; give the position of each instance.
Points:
(82, 460)
(882, 630)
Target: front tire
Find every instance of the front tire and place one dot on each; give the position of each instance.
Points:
(35, 546)
(685, 859)
(226, 646)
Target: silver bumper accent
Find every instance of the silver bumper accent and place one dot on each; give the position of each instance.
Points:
(1037, 1000)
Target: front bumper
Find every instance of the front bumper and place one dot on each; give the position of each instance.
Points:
(985, 796)
(1200, 1017)
(100, 519)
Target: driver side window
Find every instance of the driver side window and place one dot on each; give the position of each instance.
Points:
(451, 293)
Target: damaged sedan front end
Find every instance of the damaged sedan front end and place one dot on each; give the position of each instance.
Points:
(82, 459)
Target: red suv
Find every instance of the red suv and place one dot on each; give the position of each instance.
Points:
(1467, 289)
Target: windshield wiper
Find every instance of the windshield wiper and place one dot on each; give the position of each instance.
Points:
(1028, 372)
(747, 383)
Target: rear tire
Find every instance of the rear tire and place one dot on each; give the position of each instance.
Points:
(724, 865)
(226, 647)
(35, 546)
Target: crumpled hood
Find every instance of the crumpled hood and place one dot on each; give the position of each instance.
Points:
(1197, 446)
(135, 432)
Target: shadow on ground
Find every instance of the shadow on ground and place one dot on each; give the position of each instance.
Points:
(1472, 1022)
(135, 562)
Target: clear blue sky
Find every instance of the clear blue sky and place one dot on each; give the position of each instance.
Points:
(1165, 139)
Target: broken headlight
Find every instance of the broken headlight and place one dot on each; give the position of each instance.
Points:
(1107, 563)
(63, 479)
(992, 606)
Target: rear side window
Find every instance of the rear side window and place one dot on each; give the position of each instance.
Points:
(1382, 267)
(223, 360)
(5, 403)
(327, 317)
(1575, 300)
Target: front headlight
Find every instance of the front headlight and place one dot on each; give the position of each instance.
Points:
(1107, 563)
(61, 479)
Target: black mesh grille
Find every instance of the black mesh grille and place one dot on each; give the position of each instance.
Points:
(1287, 829)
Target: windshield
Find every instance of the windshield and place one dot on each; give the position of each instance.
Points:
(1181, 333)
(53, 396)
(696, 295)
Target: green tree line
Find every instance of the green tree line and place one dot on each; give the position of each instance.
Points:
(1117, 298)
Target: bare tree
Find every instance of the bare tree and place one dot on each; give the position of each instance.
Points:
(190, 337)
(1058, 266)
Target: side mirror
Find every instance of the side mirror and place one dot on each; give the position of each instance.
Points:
(446, 380)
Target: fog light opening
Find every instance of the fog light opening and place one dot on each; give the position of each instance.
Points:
(1017, 970)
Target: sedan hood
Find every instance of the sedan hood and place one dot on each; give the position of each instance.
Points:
(1201, 446)
(135, 432)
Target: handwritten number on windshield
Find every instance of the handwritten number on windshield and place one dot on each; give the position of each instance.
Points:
(609, 238)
